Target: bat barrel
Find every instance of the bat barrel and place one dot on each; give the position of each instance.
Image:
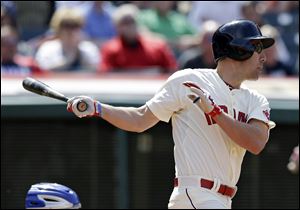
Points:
(40, 88)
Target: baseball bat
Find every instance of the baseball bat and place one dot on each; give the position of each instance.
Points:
(41, 88)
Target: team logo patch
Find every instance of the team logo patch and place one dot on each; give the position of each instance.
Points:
(267, 114)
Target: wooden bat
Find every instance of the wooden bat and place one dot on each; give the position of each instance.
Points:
(41, 88)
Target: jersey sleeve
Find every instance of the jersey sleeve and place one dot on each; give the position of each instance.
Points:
(167, 100)
(261, 111)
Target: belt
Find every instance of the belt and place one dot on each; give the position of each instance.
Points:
(208, 184)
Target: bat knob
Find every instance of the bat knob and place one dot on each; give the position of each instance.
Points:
(82, 106)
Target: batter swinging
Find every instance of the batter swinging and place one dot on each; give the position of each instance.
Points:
(215, 118)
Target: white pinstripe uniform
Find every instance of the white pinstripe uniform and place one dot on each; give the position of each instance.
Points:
(202, 149)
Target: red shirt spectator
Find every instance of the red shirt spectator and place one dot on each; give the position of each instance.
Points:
(145, 52)
(131, 50)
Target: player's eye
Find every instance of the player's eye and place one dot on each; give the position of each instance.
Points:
(258, 47)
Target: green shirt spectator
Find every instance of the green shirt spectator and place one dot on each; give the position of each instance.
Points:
(168, 24)
(172, 25)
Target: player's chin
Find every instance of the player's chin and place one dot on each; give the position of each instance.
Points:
(254, 76)
(254, 79)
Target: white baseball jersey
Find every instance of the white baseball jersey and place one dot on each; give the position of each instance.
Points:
(202, 148)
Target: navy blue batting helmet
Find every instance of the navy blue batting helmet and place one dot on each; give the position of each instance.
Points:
(237, 39)
(51, 196)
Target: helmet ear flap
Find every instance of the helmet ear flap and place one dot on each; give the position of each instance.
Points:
(220, 46)
(239, 53)
(225, 49)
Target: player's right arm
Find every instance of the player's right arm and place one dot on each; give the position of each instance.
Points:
(160, 108)
(126, 118)
(129, 118)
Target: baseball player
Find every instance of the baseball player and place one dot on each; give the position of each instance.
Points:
(215, 118)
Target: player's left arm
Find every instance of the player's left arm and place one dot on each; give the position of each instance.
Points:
(252, 136)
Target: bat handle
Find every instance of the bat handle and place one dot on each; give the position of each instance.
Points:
(82, 106)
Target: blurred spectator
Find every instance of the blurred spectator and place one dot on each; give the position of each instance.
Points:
(131, 50)
(33, 18)
(184, 7)
(267, 7)
(81, 6)
(202, 55)
(10, 7)
(297, 65)
(273, 65)
(8, 13)
(13, 63)
(142, 5)
(99, 26)
(68, 52)
(249, 12)
(168, 23)
(284, 16)
(219, 11)
(293, 164)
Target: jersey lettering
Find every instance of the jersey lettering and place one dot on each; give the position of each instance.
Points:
(267, 114)
(242, 117)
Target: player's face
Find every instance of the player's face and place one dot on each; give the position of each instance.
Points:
(254, 65)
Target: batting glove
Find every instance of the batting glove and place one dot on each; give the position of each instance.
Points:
(203, 99)
(93, 106)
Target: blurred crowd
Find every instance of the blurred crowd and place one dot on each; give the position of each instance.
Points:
(39, 37)
(293, 164)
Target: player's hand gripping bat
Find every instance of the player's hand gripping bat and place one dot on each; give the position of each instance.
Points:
(40, 88)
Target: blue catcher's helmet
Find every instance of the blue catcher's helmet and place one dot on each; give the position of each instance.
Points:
(51, 196)
(236, 40)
